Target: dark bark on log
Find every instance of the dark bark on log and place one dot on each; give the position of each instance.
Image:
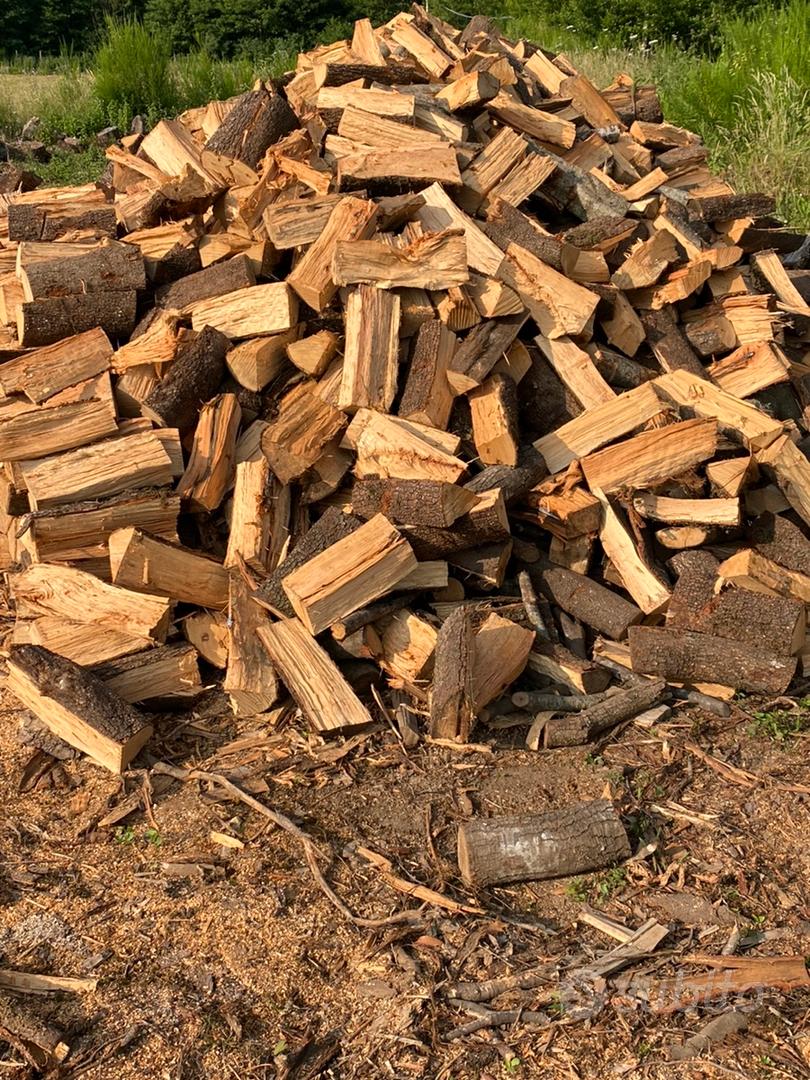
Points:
(648, 107)
(216, 280)
(114, 268)
(569, 188)
(487, 563)
(574, 730)
(722, 207)
(506, 224)
(27, 222)
(483, 347)
(574, 840)
(681, 158)
(408, 502)
(257, 120)
(620, 370)
(451, 704)
(102, 724)
(192, 380)
(42, 322)
(468, 532)
(333, 526)
(391, 74)
(590, 234)
(514, 483)
(778, 539)
(669, 343)
(365, 615)
(586, 600)
(545, 402)
(684, 656)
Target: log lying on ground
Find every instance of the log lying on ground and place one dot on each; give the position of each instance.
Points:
(77, 706)
(579, 838)
(576, 728)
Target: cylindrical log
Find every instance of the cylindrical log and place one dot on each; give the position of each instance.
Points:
(525, 847)
(257, 120)
(573, 730)
(515, 482)
(586, 600)
(192, 380)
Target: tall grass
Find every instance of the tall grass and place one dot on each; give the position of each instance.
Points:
(132, 70)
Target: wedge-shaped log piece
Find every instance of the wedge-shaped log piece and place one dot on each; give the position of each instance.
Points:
(522, 181)
(652, 456)
(294, 441)
(300, 222)
(486, 521)
(312, 678)
(422, 48)
(390, 447)
(52, 589)
(351, 219)
(94, 472)
(684, 656)
(500, 651)
(259, 118)
(250, 680)
(791, 470)
(730, 476)
(263, 309)
(541, 125)
(494, 410)
(661, 136)
(564, 511)
(81, 530)
(749, 369)
(251, 514)
(211, 464)
(76, 706)
(433, 261)
(723, 513)
(408, 645)
(779, 540)
(469, 90)
(41, 374)
(149, 564)
(669, 344)
(191, 381)
(645, 587)
(752, 570)
(579, 838)
(410, 167)
(208, 633)
(168, 676)
(427, 397)
(227, 276)
(256, 362)
(349, 574)
(646, 262)
(81, 642)
(599, 425)
(451, 696)
(371, 355)
(313, 354)
(500, 155)
(577, 371)
(754, 428)
(440, 212)
(560, 665)
(481, 350)
(43, 430)
(557, 305)
(412, 502)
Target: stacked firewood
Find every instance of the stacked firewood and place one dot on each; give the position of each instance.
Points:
(430, 369)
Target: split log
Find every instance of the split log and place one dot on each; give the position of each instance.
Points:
(76, 706)
(393, 170)
(49, 222)
(208, 633)
(303, 427)
(433, 261)
(257, 119)
(500, 652)
(779, 540)
(263, 309)
(575, 840)
(452, 710)
(480, 351)
(94, 472)
(191, 381)
(351, 219)
(559, 306)
(256, 362)
(574, 729)
(684, 656)
(486, 521)
(41, 374)
(251, 515)
(431, 503)
(372, 349)
(165, 677)
(723, 513)
(313, 354)
(349, 574)
(150, 564)
(223, 277)
(39, 431)
(560, 665)
(652, 456)
(494, 409)
(390, 447)
(427, 396)
(312, 678)
(43, 322)
(250, 680)
(110, 267)
(211, 464)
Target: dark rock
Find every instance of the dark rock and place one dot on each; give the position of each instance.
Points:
(138, 126)
(69, 143)
(29, 129)
(14, 178)
(108, 136)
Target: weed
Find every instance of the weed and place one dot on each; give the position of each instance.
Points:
(576, 889)
(611, 882)
(280, 1047)
(153, 837)
(594, 759)
(644, 1050)
(69, 168)
(125, 834)
(511, 1065)
(781, 725)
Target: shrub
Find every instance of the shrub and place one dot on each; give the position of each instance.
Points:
(201, 78)
(132, 69)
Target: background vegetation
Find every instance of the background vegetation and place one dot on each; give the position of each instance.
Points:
(736, 72)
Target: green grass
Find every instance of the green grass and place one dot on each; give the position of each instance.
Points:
(781, 725)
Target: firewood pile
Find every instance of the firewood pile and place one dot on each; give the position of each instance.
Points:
(429, 379)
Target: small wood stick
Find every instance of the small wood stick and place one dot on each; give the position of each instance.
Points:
(529, 597)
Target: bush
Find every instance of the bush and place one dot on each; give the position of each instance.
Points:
(132, 69)
(201, 78)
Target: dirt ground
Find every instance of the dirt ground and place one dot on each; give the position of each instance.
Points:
(229, 962)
